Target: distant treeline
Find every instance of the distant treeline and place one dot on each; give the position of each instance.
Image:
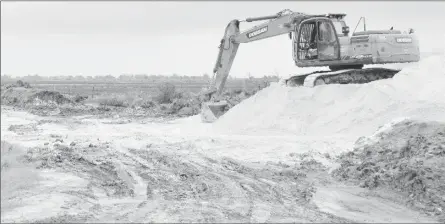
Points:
(125, 78)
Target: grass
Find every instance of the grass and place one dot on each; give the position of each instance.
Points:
(162, 99)
(129, 99)
(94, 89)
(167, 99)
(114, 101)
(166, 93)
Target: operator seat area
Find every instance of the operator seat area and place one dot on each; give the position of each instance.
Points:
(307, 44)
(317, 41)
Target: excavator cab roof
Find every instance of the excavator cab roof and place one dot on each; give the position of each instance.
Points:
(336, 15)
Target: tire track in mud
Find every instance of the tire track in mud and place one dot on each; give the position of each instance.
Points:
(176, 181)
(172, 182)
(233, 187)
(165, 183)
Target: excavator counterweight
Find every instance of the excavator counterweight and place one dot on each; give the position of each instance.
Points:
(318, 41)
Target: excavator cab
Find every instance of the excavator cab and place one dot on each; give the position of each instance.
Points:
(316, 40)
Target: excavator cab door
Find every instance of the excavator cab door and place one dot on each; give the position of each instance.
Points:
(305, 41)
(327, 43)
(316, 41)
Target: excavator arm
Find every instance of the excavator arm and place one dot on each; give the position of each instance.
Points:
(283, 22)
(279, 24)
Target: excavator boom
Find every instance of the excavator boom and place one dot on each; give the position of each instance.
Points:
(279, 24)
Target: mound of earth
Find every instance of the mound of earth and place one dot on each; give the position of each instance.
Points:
(353, 109)
(405, 155)
(28, 96)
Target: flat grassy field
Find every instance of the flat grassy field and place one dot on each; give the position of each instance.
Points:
(93, 88)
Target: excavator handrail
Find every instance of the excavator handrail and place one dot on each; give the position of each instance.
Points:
(279, 14)
(364, 24)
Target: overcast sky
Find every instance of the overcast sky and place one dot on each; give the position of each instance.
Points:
(98, 38)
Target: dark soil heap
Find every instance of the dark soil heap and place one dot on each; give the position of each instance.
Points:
(27, 96)
(406, 156)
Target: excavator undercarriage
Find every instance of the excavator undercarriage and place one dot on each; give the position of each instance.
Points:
(347, 76)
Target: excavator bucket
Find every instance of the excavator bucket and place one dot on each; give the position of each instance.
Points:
(211, 111)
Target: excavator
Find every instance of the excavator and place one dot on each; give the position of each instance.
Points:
(318, 41)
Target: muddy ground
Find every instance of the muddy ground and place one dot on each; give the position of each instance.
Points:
(408, 157)
(88, 169)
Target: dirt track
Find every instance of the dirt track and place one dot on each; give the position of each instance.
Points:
(90, 170)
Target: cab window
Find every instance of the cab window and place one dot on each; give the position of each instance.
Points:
(339, 27)
(326, 32)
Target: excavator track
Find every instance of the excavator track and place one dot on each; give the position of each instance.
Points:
(346, 76)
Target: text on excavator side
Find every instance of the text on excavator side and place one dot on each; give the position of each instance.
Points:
(257, 32)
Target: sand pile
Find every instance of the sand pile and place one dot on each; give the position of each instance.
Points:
(405, 155)
(354, 109)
